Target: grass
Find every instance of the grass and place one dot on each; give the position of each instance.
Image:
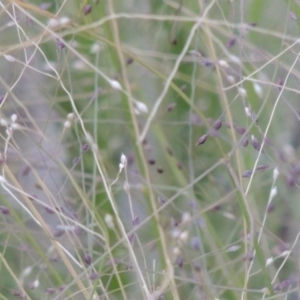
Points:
(149, 150)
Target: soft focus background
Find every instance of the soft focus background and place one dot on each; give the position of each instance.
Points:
(149, 149)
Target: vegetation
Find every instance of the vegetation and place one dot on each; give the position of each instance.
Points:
(149, 149)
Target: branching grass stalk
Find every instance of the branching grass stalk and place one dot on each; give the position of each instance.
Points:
(191, 166)
(168, 202)
(246, 211)
(172, 74)
(37, 217)
(13, 275)
(145, 289)
(91, 217)
(115, 210)
(274, 58)
(294, 245)
(260, 152)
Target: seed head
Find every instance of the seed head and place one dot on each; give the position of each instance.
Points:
(248, 111)
(179, 261)
(206, 62)
(217, 207)
(50, 291)
(131, 238)
(242, 92)
(3, 122)
(61, 288)
(283, 285)
(245, 143)
(94, 276)
(233, 248)
(175, 233)
(271, 207)
(174, 41)
(87, 258)
(141, 107)
(273, 192)
(176, 251)
(171, 107)
(67, 124)
(4, 210)
(255, 143)
(254, 117)
(13, 118)
(240, 130)
(262, 168)
(49, 210)
(275, 173)
(195, 243)
(85, 147)
(95, 48)
(160, 170)
(9, 58)
(195, 53)
(129, 61)
(109, 221)
(201, 140)
(235, 59)
(58, 232)
(70, 117)
(231, 42)
(280, 83)
(183, 236)
(231, 79)
(151, 162)
(186, 217)
(179, 165)
(34, 284)
(136, 221)
(223, 64)
(217, 125)
(115, 84)
(247, 174)
(19, 295)
(169, 150)
(258, 90)
(60, 44)
(75, 161)
(87, 9)
(161, 200)
(123, 160)
(183, 87)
